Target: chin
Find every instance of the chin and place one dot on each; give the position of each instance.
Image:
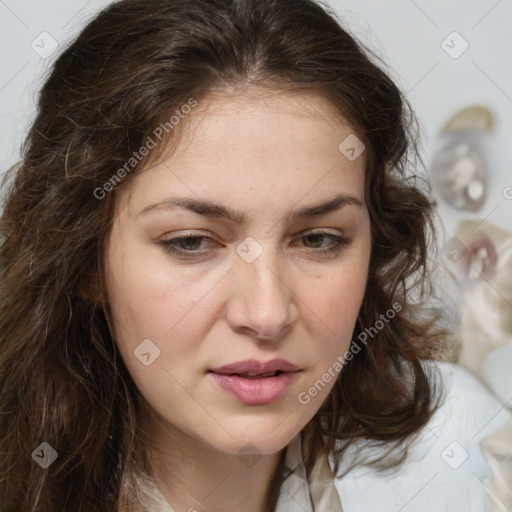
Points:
(266, 437)
(254, 445)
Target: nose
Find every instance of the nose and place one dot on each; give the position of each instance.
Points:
(263, 304)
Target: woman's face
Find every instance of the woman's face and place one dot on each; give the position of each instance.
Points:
(250, 244)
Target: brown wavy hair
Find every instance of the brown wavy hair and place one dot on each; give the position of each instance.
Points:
(138, 61)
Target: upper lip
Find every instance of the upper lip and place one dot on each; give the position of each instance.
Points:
(256, 367)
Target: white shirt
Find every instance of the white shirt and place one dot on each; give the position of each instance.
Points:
(446, 470)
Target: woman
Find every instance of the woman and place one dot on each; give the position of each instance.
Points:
(212, 256)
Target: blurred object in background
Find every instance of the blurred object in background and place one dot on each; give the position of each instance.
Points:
(459, 170)
(481, 264)
(479, 259)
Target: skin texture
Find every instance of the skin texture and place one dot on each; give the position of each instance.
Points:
(264, 156)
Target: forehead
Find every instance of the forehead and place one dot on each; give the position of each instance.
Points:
(262, 111)
(221, 114)
(252, 100)
(260, 142)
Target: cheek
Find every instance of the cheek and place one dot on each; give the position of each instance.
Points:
(336, 301)
(164, 319)
(337, 297)
(148, 299)
(169, 308)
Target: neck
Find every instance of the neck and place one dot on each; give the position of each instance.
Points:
(195, 477)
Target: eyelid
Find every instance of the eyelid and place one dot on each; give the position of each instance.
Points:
(310, 231)
(186, 234)
(192, 234)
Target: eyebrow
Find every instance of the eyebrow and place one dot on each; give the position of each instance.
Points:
(210, 209)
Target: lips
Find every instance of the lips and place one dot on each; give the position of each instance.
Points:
(252, 368)
(253, 382)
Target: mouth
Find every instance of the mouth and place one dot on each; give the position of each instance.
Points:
(254, 383)
(252, 368)
(255, 375)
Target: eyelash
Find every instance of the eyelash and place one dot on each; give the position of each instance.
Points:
(339, 243)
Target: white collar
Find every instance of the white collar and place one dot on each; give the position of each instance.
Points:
(294, 494)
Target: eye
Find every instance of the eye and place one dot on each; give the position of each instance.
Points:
(190, 246)
(316, 242)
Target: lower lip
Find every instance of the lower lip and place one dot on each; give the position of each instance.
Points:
(255, 391)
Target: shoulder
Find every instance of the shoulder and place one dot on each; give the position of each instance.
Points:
(446, 467)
